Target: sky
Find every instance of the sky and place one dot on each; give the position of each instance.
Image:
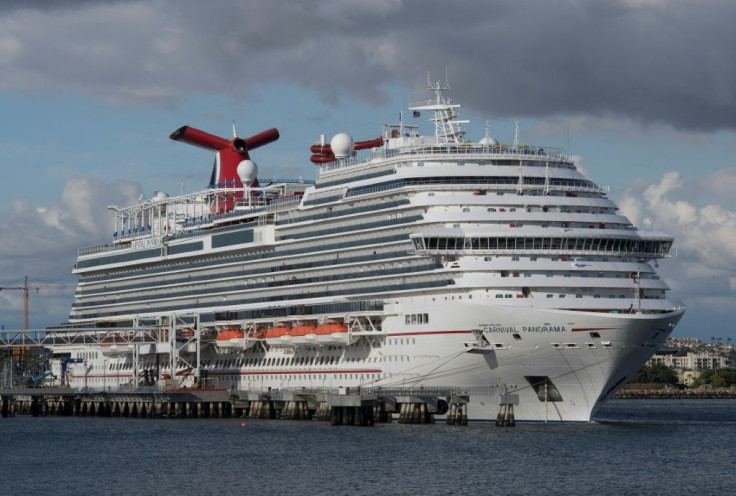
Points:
(643, 92)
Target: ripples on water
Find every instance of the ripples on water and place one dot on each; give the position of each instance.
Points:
(636, 447)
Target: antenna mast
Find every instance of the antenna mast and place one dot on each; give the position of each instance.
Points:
(26, 320)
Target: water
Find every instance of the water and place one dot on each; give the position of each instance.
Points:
(637, 447)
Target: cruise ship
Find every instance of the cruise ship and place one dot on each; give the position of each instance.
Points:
(422, 261)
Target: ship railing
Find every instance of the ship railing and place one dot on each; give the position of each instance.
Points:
(100, 248)
(455, 150)
(284, 203)
(268, 181)
(60, 336)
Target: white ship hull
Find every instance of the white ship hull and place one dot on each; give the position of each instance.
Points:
(490, 351)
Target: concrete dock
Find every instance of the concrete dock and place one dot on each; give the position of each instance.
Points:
(340, 407)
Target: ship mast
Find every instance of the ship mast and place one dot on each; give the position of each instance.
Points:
(447, 128)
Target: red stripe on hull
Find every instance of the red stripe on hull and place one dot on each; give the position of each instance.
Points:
(584, 329)
(426, 333)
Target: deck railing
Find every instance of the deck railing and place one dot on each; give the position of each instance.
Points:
(455, 151)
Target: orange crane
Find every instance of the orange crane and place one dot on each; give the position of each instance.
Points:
(26, 290)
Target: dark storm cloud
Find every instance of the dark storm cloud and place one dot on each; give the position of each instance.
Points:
(672, 62)
(48, 5)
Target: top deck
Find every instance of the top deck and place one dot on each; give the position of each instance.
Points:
(164, 217)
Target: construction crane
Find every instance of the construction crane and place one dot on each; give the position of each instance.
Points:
(26, 290)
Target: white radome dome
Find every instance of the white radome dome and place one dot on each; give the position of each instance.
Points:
(159, 196)
(342, 145)
(488, 141)
(247, 172)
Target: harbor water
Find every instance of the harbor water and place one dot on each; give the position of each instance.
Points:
(634, 447)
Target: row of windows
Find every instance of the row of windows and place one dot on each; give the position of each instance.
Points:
(286, 361)
(330, 214)
(352, 178)
(354, 227)
(250, 285)
(164, 307)
(578, 295)
(218, 260)
(112, 259)
(600, 244)
(236, 237)
(320, 201)
(177, 279)
(184, 248)
(233, 238)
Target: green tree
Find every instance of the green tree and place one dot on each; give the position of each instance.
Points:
(657, 373)
(718, 381)
(716, 378)
(706, 376)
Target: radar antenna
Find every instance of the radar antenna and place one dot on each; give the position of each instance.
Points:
(448, 129)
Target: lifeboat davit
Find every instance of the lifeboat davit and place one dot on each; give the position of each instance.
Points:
(184, 334)
(233, 338)
(303, 333)
(278, 336)
(334, 333)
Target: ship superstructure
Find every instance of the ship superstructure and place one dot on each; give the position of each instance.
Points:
(423, 260)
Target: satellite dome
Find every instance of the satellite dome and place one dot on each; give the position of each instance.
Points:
(247, 171)
(488, 141)
(159, 196)
(342, 145)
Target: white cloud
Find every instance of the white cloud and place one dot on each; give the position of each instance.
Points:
(702, 271)
(42, 241)
(631, 208)
(708, 231)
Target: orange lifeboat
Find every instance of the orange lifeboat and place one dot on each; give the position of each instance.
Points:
(230, 338)
(278, 335)
(331, 332)
(303, 333)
